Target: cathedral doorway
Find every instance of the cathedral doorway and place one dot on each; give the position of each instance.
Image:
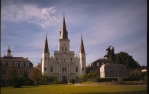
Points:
(64, 79)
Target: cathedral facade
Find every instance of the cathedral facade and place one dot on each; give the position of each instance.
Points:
(64, 64)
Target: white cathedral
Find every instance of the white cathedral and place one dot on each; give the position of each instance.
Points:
(64, 64)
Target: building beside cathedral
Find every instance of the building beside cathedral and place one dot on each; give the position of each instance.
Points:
(64, 64)
(7, 61)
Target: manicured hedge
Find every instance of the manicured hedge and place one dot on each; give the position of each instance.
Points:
(132, 79)
(116, 79)
(106, 79)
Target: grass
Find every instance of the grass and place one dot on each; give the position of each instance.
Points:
(77, 89)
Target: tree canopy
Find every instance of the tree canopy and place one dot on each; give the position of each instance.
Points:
(126, 59)
(11, 72)
(35, 74)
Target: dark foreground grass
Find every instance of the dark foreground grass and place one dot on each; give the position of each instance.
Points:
(76, 89)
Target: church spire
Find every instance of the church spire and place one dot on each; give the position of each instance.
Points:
(9, 49)
(46, 48)
(82, 46)
(8, 53)
(63, 32)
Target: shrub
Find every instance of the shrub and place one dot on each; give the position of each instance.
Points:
(132, 79)
(28, 81)
(106, 79)
(57, 82)
(145, 78)
(2, 84)
(17, 82)
(72, 81)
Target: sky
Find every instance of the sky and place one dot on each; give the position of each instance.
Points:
(120, 23)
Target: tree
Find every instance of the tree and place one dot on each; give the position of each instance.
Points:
(132, 65)
(91, 76)
(24, 74)
(39, 66)
(53, 78)
(35, 75)
(17, 82)
(45, 79)
(11, 72)
(126, 59)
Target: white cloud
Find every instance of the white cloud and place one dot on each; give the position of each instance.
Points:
(30, 13)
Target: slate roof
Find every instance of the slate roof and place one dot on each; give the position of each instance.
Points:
(100, 61)
(14, 59)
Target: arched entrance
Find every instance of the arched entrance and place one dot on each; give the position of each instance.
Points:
(64, 79)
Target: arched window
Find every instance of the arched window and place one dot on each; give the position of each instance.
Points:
(57, 59)
(60, 67)
(76, 69)
(62, 48)
(45, 58)
(83, 58)
(68, 67)
(82, 68)
(65, 48)
(51, 69)
(48, 58)
(63, 69)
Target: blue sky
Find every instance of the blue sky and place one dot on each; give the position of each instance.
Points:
(120, 23)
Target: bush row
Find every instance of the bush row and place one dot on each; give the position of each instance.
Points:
(116, 79)
(20, 81)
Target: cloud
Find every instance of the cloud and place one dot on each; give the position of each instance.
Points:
(30, 13)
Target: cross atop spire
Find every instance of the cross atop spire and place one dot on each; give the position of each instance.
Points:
(63, 15)
(46, 48)
(82, 46)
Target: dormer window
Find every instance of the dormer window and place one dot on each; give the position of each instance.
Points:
(27, 63)
(16, 63)
(9, 64)
(97, 64)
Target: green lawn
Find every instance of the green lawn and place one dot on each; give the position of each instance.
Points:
(77, 89)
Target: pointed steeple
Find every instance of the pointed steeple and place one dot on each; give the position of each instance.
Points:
(8, 52)
(63, 32)
(9, 49)
(82, 46)
(46, 48)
